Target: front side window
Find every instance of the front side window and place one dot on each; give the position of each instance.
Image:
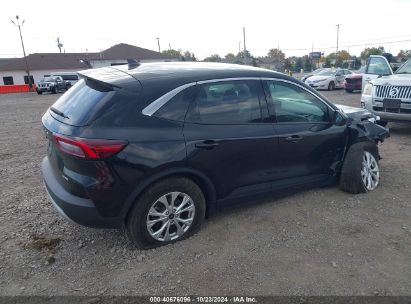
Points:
(227, 102)
(378, 66)
(405, 69)
(291, 103)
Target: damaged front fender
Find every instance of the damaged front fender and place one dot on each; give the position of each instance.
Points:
(366, 130)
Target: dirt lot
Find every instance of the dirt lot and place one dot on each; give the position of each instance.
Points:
(319, 242)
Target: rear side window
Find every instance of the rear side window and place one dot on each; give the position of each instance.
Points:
(176, 108)
(228, 102)
(81, 102)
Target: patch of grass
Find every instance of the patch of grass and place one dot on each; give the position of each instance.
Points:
(42, 242)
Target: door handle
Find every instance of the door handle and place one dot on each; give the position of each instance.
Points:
(294, 138)
(208, 145)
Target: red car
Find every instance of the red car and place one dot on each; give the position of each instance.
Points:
(354, 81)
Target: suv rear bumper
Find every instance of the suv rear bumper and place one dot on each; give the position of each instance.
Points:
(74, 208)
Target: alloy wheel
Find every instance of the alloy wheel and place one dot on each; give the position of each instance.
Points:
(370, 172)
(170, 216)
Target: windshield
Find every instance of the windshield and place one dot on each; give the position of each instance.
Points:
(48, 79)
(326, 73)
(317, 71)
(405, 68)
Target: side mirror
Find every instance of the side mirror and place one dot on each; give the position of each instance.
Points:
(339, 119)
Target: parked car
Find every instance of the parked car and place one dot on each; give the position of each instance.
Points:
(353, 81)
(315, 72)
(328, 79)
(157, 154)
(69, 77)
(386, 94)
(52, 84)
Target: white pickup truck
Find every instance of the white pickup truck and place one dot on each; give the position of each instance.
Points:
(387, 94)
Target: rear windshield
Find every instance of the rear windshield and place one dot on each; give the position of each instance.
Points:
(79, 104)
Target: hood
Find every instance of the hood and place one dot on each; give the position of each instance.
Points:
(354, 76)
(347, 109)
(396, 79)
(318, 78)
(357, 113)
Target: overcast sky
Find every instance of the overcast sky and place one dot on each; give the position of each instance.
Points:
(206, 27)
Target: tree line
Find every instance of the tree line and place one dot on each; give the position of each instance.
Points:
(277, 60)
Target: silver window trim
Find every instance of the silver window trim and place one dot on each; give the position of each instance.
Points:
(161, 101)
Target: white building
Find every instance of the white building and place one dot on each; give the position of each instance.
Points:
(13, 72)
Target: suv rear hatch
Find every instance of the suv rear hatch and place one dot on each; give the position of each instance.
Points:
(77, 160)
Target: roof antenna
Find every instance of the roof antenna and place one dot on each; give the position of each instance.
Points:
(132, 63)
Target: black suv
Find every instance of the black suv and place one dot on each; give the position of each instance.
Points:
(156, 147)
(52, 84)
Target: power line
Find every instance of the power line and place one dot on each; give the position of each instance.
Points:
(342, 46)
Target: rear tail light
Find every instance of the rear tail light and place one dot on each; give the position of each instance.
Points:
(88, 148)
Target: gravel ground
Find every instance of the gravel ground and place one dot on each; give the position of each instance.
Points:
(318, 242)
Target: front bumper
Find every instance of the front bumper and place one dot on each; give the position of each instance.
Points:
(376, 107)
(387, 116)
(74, 208)
(44, 89)
(319, 86)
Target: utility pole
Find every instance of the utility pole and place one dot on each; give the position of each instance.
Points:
(158, 42)
(312, 53)
(17, 23)
(59, 44)
(338, 34)
(239, 46)
(245, 49)
(278, 57)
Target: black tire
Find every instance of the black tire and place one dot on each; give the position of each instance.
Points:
(39, 92)
(331, 86)
(349, 90)
(54, 90)
(136, 225)
(350, 178)
(382, 123)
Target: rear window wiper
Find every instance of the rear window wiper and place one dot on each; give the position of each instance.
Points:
(59, 112)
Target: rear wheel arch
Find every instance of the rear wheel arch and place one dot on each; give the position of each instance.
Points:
(199, 178)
